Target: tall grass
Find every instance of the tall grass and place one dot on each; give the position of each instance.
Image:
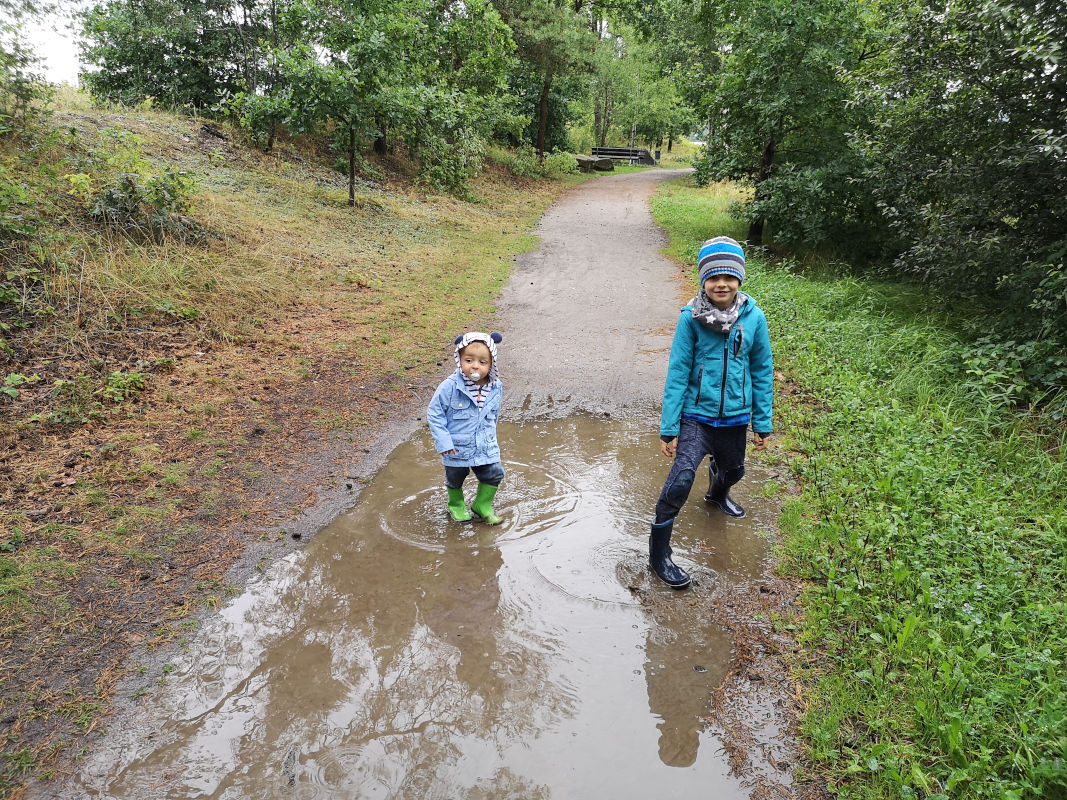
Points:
(931, 527)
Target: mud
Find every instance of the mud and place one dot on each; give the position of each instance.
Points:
(532, 659)
(399, 654)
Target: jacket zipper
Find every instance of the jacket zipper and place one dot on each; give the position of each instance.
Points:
(700, 385)
(725, 370)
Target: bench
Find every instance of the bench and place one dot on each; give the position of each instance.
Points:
(625, 155)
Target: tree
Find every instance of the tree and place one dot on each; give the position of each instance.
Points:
(552, 38)
(778, 95)
(182, 52)
(969, 160)
(20, 82)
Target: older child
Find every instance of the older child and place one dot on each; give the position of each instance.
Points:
(719, 379)
(462, 416)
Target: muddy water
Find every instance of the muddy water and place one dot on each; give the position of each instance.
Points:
(402, 655)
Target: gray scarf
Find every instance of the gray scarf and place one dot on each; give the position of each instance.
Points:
(718, 320)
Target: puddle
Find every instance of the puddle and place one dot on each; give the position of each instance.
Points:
(402, 655)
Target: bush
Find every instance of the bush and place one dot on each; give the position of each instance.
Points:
(522, 162)
(558, 164)
(153, 209)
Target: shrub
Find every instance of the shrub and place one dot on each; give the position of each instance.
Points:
(153, 209)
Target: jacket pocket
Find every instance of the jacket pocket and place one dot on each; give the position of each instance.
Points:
(464, 445)
(734, 400)
(462, 408)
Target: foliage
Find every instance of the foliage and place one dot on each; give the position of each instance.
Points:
(152, 208)
(558, 163)
(930, 528)
(21, 86)
(559, 113)
(553, 41)
(649, 107)
(921, 140)
(432, 77)
(524, 162)
(780, 69)
(180, 53)
(968, 161)
(85, 398)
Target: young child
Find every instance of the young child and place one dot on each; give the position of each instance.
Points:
(462, 416)
(718, 384)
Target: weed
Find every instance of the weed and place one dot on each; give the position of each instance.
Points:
(14, 380)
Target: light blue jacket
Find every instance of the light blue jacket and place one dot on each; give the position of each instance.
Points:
(719, 375)
(457, 422)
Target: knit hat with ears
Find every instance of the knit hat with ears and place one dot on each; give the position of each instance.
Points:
(721, 256)
(490, 340)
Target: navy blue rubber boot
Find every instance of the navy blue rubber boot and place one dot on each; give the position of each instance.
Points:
(659, 556)
(719, 490)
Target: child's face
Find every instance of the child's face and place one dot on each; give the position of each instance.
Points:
(721, 290)
(474, 362)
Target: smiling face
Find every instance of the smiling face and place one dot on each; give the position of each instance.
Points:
(721, 290)
(475, 361)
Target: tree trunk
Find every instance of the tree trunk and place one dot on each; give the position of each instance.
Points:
(670, 142)
(351, 166)
(542, 124)
(755, 228)
(607, 119)
(381, 146)
(272, 135)
(597, 117)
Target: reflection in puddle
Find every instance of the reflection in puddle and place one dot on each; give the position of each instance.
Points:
(403, 655)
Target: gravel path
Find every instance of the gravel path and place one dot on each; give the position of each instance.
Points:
(588, 316)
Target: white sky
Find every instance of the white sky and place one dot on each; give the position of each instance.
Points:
(54, 43)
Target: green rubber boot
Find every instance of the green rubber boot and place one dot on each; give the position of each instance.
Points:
(483, 504)
(456, 507)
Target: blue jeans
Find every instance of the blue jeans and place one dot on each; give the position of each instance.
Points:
(492, 474)
(726, 446)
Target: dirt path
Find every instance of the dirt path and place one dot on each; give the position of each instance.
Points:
(588, 316)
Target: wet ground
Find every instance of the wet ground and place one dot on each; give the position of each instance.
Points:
(403, 655)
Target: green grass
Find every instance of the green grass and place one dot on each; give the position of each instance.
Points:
(931, 529)
(690, 217)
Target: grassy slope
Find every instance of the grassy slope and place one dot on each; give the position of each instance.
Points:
(931, 527)
(169, 398)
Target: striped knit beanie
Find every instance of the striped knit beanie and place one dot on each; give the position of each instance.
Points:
(721, 256)
(490, 340)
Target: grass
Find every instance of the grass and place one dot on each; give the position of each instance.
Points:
(681, 156)
(930, 528)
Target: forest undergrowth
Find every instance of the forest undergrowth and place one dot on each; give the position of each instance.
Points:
(929, 527)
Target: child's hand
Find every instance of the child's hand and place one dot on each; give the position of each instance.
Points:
(667, 448)
(759, 442)
(451, 452)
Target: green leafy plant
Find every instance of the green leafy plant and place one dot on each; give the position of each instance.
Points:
(121, 385)
(152, 209)
(16, 379)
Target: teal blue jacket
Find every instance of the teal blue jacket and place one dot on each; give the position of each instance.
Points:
(719, 375)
